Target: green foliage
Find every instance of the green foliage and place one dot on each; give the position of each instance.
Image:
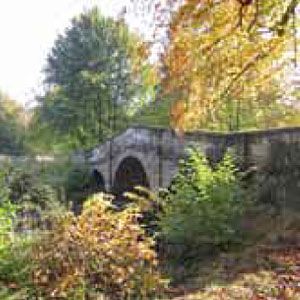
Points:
(94, 76)
(150, 208)
(28, 201)
(7, 214)
(27, 190)
(25, 203)
(15, 266)
(100, 252)
(77, 185)
(156, 113)
(202, 209)
(4, 191)
(14, 263)
(7, 211)
(11, 127)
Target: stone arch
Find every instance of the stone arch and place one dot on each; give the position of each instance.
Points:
(130, 172)
(98, 182)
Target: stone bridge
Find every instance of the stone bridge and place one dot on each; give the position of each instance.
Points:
(149, 156)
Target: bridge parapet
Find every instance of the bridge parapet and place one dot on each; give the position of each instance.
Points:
(158, 150)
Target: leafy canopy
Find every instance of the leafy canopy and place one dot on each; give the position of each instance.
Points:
(224, 61)
(12, 122)
(93, 73)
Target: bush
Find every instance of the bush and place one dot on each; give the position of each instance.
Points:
(15, 266)
(77, 185)
(203, 207)
(7, 212)
(149, 206)
(100, 252)
(27, 190)
(33, 200)
(14, 263)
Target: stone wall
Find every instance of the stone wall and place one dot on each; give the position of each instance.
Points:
(158, 150)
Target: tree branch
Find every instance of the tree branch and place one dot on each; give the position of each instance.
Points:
(251, 25)
(247, 66)
(279, 25)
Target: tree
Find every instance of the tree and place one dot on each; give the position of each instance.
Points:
(223, 61)
(12, 123)
(92, 74)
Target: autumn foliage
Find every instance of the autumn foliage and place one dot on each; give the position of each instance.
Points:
(100, 252)
(224, 63)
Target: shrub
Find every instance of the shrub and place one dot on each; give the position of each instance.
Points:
(100, 252)
(33, 200)
(15, 265)
(14, 262)
(149, 206)
(7, 211)
(7, 214)
(26, 189)
(77, 185)
(203, 207)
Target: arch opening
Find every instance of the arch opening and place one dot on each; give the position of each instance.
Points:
(130, 174)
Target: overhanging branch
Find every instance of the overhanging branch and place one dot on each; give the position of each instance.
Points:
(279, 26)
